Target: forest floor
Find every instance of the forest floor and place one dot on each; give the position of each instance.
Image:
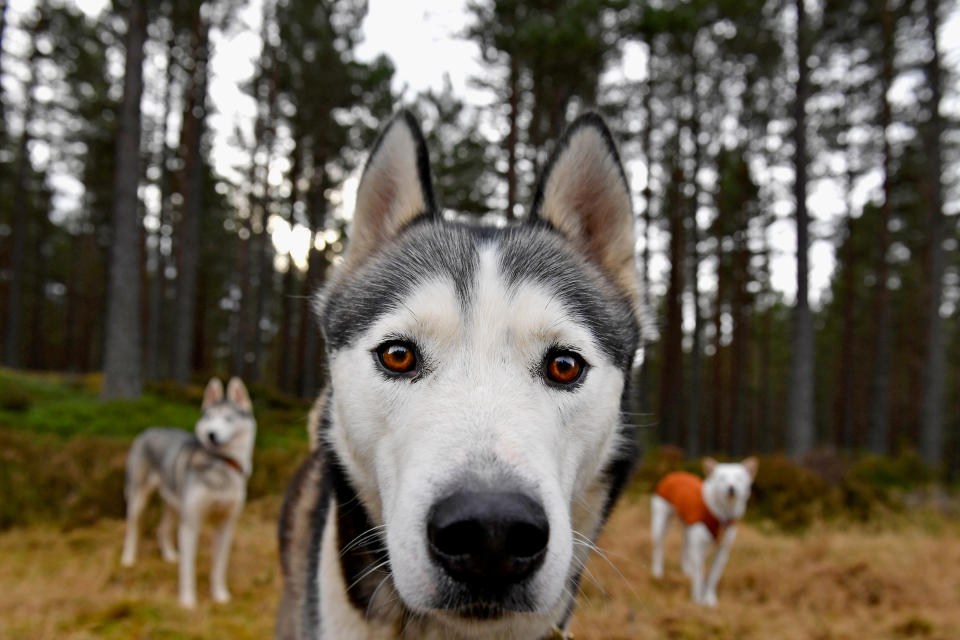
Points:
(899, 579)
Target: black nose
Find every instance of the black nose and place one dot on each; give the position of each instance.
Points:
(212, 437)
(731, 492)
(489, 539)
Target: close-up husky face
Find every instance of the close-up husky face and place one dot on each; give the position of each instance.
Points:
(227, 422)
(478, 378)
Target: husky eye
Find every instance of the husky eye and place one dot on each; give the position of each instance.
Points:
(397, 357)
(563, 367)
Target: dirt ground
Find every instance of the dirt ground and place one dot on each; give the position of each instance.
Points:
(899, 581)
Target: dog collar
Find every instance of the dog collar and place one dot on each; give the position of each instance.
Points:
(232, 463)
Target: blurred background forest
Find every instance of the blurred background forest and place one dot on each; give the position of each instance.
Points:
(750, 128)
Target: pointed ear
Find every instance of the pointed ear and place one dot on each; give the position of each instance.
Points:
(395, 187)
(709, 464)
(751, 465)
(237, 394)
(213, 393)
(584, 194)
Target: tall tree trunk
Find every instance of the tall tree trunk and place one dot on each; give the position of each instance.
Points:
(3, 114)
(243, 312)
(193, 129)
(800, 430)
(287, 307)
(738, 344)
(696, 352)
(122, 351)
(845, 391)
(765, 439)
(512, 138)
(20, 236)
(13, 319)
(931, 417)
(156, 308)
(671, 367)
(718, 418)
(309, 331)
(38, 333)
(264, 253)
(879, 434)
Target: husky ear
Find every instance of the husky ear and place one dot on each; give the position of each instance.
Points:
(213, 393)
(751, 465)
(395, 187)
(709, 464)
(237, 394)
(584, 194)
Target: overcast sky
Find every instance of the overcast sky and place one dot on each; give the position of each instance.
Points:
(421, 37)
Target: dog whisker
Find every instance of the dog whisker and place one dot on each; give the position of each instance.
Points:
(369, 534)
(369, 571)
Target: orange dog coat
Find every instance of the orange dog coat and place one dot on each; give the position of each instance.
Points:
(685, 492)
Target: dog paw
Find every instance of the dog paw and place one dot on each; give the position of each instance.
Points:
(127, 561)
(171, 557)
(710, 600)
(657, 572)
(221, 596)
(188, 602)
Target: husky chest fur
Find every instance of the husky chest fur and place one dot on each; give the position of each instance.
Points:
(470, 443)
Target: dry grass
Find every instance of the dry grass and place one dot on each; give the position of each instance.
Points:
(899, 582)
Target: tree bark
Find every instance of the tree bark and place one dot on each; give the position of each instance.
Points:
(696, 352)
(800, 429)
(309, 331)
(879, 434)
(122, 376)
(931, 418)
(156, 311)
(288, 308)
(671, 367)
(193, 128)
(3, 114)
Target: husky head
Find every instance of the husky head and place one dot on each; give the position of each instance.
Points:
(478, 376)
(226, 425)
(726, 486)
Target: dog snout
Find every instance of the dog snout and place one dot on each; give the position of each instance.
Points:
(731, 492)
(212, 437)
(489, 539)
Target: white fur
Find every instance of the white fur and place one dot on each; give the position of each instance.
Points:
(404, 442)
(697, 539)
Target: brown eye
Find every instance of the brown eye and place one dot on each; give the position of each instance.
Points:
(564, 367)
(397, 357)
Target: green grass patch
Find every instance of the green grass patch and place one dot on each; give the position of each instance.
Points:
(62, 451)
(70, 406)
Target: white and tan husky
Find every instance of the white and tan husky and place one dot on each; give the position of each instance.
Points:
(471, 441)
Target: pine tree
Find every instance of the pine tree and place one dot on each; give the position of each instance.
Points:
(122, 355)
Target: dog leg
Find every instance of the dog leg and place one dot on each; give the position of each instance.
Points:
(136, 501)
(696, 544)
(221, 554)
(188, 532)
(660, 512)
(165, 534)
(719, 562)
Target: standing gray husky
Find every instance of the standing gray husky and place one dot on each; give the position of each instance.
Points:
(199, 475)
(471, 441)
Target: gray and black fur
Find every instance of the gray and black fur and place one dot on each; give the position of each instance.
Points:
(200, 476)
(427, 246)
